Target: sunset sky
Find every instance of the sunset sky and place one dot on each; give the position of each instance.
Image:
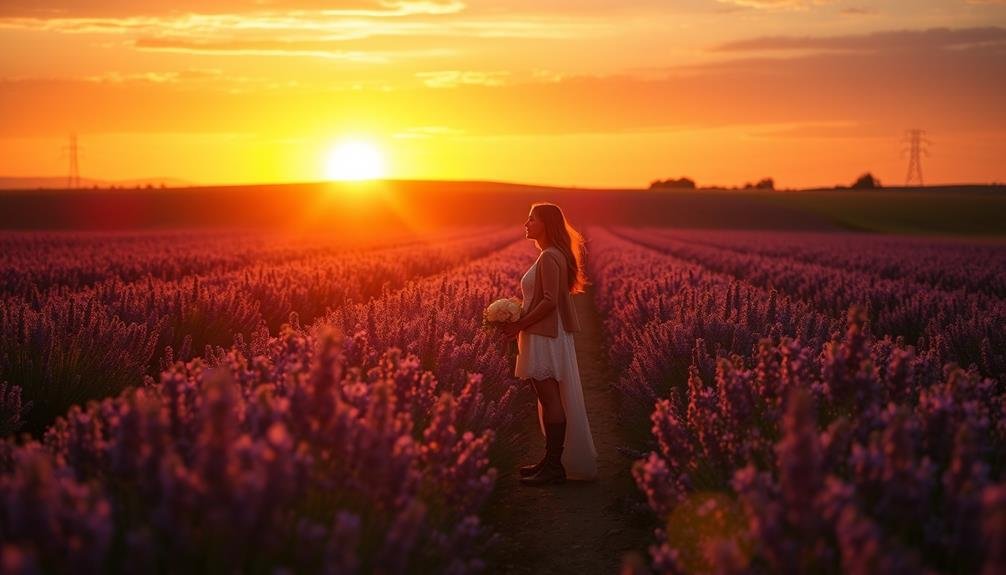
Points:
(592, 93)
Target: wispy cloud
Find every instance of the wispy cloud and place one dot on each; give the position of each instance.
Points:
(334, 34)
(344, 33)
(143, 77)
(822, 130)
(455, 78)
(192, 80)
(858, 11)
(327, 50)
(778, 4)
(935, 38)
(832, 93)
(320, 25)
(58, 9)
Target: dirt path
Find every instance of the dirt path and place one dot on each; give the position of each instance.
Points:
(577, 527)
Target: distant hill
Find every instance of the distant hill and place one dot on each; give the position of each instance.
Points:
(415, 205)
(50, 183)
(386, 205)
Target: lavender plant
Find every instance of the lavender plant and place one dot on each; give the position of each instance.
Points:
(803, 450)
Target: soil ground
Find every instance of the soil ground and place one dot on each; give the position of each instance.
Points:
(577, 527)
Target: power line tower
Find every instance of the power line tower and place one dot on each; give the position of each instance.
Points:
(73, 179)
(917, 142)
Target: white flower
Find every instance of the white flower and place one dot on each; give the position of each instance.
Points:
(505, 310)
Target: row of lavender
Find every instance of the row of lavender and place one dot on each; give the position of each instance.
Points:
(959, 325)
(73, 338)
(948, 264)
(40, 261)
(790, 436)
(307, 451)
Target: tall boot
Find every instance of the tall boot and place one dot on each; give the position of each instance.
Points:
(529, 470)
(551, 470)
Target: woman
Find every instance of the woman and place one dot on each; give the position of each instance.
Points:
(546, 355)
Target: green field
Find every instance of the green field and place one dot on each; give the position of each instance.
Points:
(943, 211)
(393, 204)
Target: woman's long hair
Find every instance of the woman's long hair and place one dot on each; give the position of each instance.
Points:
(565, 237)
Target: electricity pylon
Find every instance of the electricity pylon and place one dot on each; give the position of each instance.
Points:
(73, 178)
(917, 142)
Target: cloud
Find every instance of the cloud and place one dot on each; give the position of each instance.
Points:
(858, 11)
(825, 94)
(823, 130)
(62, 9)
(932, 39)
(777, 4)
(148, 77)
(320, 34)
(326, 50)
(455, 78)
(328, 26)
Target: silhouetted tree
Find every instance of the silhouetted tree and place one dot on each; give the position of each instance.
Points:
(763, 184)
(866, 182)
(680, 183)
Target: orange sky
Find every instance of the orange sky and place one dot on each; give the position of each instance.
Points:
(566, 92)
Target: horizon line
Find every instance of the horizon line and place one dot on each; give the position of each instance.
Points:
(132, 184)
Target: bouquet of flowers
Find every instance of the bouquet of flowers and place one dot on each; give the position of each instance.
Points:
(500, 313)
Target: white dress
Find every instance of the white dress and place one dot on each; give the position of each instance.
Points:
(542, 357)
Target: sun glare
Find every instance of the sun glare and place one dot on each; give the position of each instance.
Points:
(354, 160)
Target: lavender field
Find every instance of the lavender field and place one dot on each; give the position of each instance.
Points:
(820, 403)
(795, 401)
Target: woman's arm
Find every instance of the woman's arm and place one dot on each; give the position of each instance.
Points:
(550, 288)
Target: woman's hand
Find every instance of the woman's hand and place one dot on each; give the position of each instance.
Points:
(510, 330)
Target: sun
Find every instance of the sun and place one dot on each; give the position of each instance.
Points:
(354, 160)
